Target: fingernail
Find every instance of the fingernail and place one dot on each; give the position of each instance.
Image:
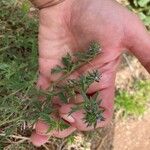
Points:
(68, 118)
(41, 128)
(38, 140)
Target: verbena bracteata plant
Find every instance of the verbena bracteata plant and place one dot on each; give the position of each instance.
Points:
(67, 89)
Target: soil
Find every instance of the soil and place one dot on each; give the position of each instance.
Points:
(132, 134)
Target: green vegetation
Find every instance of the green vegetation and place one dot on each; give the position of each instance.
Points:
(18, 67)
(67, 89)
(142, 7)
(134, 103)
(18, 74)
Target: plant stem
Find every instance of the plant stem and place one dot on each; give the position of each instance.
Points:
(5, 48)
(9, 121)
(66, 75)
(16, 137)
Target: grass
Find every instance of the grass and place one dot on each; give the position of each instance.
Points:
(18, 67)
(18, 74)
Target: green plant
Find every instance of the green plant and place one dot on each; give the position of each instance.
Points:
(67, 89)
(142, 7)
(19, 104)
(134, 103)
(18, 67)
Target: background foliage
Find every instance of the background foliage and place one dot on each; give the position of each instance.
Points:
(142, 7)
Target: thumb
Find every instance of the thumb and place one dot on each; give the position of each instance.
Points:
(139, 43)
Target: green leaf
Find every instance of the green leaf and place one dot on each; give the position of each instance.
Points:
(147, 21)
(62, 125)
(45, 117)
(71, 138)
(62, 97)
(25, 7)
(143, 3)
(142, 15)
(57, 69)
(67, 60)
(93, 112)
(85, 56)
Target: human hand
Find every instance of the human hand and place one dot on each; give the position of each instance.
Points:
(71, 26)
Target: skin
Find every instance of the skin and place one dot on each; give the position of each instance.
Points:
(71, 26)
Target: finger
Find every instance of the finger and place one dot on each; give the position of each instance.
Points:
(54, 43)
(40, 136)
(139, 42)
(38, 140)
(107, 96)
(64, 133)
(42, 128)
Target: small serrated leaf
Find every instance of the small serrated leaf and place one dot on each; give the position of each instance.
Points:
(143, 3)
(67, 60)
(62, 97)
(57, 69)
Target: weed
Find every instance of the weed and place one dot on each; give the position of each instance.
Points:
(142, 7)
(18, 67)
(134, 103)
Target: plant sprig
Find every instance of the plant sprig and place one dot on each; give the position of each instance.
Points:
(68, 90)
(74, 86)
(81, 58)
(93, 111)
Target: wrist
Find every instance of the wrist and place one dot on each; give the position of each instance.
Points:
(45, 3)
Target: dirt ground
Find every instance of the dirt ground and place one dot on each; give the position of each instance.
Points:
(133, 134)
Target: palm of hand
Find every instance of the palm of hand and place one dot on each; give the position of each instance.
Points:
(71, 26)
